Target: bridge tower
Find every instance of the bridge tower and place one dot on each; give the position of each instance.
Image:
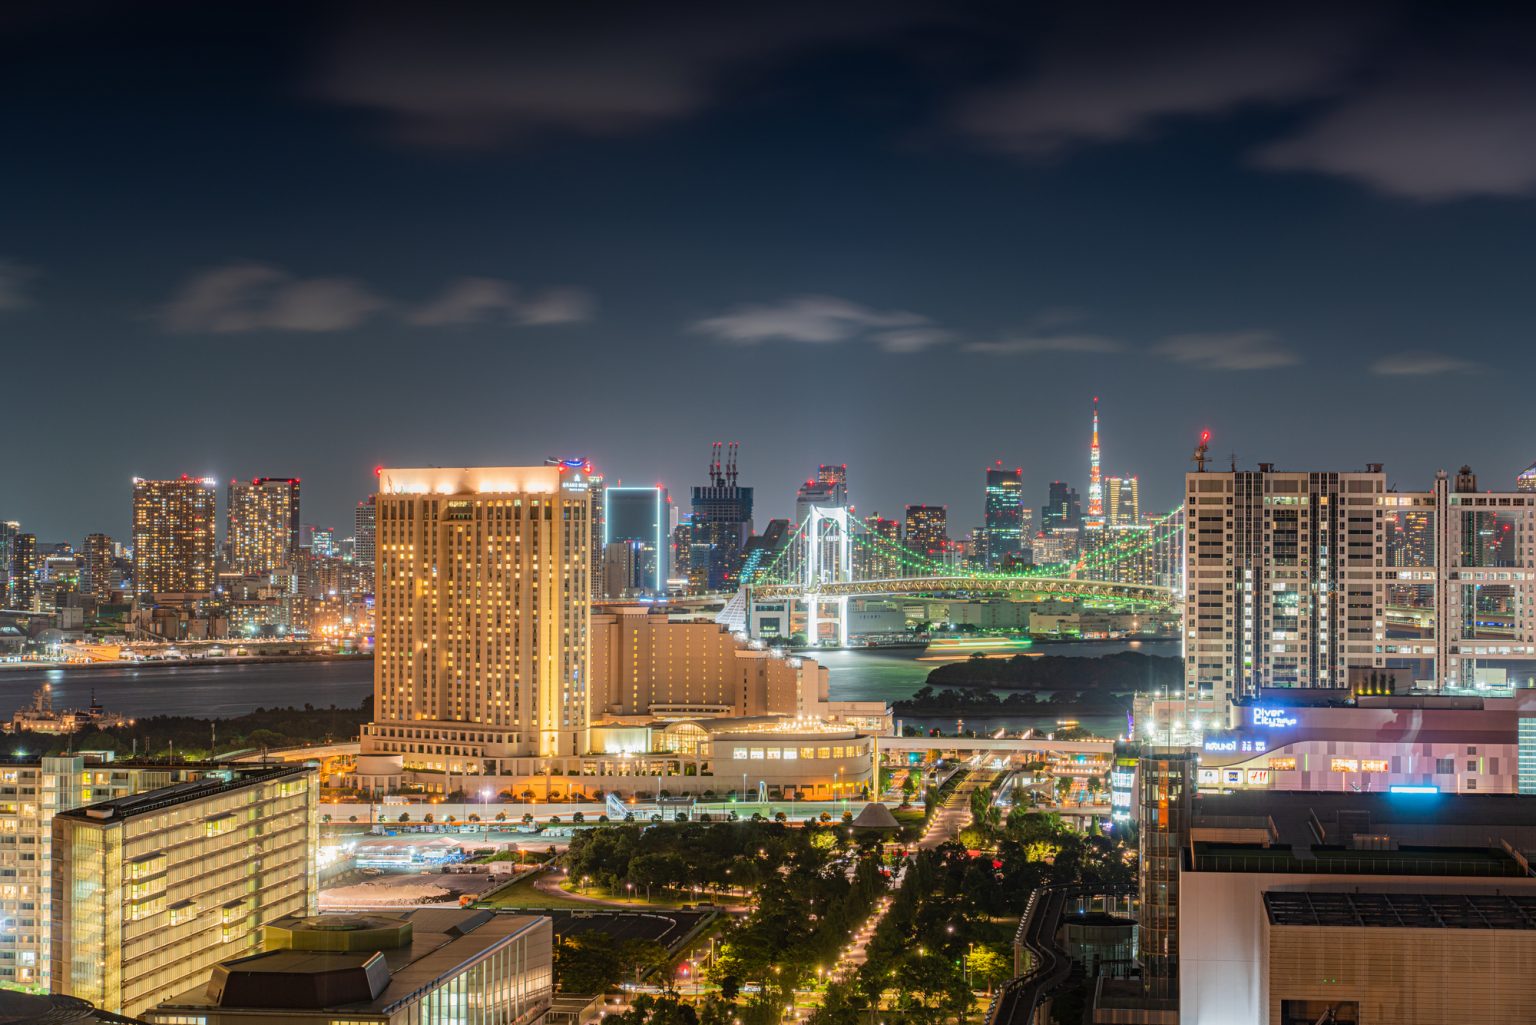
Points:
(828, 560)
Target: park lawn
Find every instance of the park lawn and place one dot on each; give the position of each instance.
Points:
(522, 894)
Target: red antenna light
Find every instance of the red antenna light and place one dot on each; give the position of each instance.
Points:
(378, 471)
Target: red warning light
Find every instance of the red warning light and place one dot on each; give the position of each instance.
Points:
(1205, 436)
(378, 471)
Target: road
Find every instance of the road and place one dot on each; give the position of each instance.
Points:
(954, 814)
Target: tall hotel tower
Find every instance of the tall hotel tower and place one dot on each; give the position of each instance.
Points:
(482, 603)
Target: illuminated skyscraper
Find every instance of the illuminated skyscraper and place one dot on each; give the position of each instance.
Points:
(722, 523)
(577, 476)
(24, 572)
(363, 536)
(1527, 479)
(8, 531)
(1123, 495)
(174, 528)
(263, 524)
(1003, 517)
(1095, 518)
(98, 567)
(637, 517)
(322, 541)
(828, 490)
(1063, 509)
(482, 616)
(928, 530)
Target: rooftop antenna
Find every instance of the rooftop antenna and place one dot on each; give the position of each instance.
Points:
(1202, 447)
(730, 466)
(714, 465)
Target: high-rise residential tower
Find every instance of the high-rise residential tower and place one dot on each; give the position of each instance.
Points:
(98, 567)
(263, 524)
(1095, 518)
(927, 530)
(174, 536)
(24, 572)
(363, 534)
(1003, 516)
(481, 616)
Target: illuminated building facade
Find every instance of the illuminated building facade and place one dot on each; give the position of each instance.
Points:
(481, 615)
(1122, 496)
(828, 490)
(1003, 517)
(8, 531)
(174, 536)
(721, 525)
(1526, 481)
(927, 530)
(99, 567)
(878, 559)
(1063, 509)
(149, 892)
(636, 518)
(24, 568)
(1322, 579)
(364, 532)
(32, 791)
(263, 524)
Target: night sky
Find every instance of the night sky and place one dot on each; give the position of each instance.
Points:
(307, 240)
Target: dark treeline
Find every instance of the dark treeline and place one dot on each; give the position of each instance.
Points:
(194, 737)
(1123, 672)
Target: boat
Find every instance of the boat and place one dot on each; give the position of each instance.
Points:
(951, 649)
(42, 717)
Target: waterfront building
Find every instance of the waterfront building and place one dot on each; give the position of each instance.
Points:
(364, 532)
(763, 551)
(721, 525)
(636, 519)
(927, 531)
(99, 568)
(428, 965)
(1056, 547)
(263, 524)
(1003, 517)
(1317, 579)
(482, 607)
(1063, 508)
(150, 891)
(174, 528)
(578, 477)
(1122, 500)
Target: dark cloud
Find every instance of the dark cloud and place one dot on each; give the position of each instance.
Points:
(475, 76)
(258, 297)
(821, 319)
(1428, 132)
(1034, 344)
(1110, 73)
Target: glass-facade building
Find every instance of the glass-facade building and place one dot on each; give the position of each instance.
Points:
(637, 517)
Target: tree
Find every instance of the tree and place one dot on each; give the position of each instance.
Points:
(987, 967)
(588, 962)
(1063, 788)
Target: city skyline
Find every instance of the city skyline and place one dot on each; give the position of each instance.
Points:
(837, 197)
